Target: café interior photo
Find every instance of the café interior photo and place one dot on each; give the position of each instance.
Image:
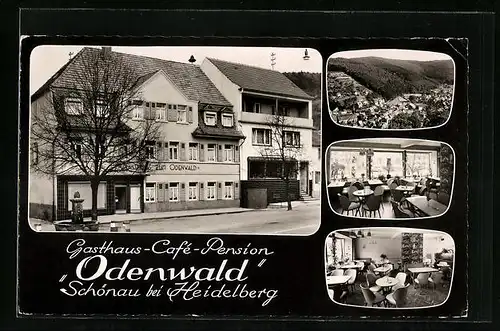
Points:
(389, 178)
(389, 267)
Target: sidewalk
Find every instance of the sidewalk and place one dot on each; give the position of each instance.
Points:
(295, 204)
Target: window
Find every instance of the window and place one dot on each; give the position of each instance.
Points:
(211, 190)
(211, 152)
(261, 136)
(150, 150)
(77, 149)
(421, 164)
(34, 153)
(101, 109)
(317, 177)
(173, 150)
(292, 138)
(227, 120)
(181, 114)
(386, 163)
(193, 191)
(150, 194)
(228, 153)
(173, 192)
(161, 111)
(193, 152)
(86, 193)
(138, 110)
(256, 107)
(210, 118)
(228, 190)
(73, 106)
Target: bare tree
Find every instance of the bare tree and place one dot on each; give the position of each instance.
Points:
(284, 150)
(86, 128)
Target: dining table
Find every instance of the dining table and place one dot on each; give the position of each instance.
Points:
(337, 280)
(362, 195)
(350, 266)
(382, 269)
(386, 283)
(418, 270)
(428, 207)
(375, 182)
(405, 188)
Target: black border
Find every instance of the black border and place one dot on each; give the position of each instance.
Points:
(481, 151)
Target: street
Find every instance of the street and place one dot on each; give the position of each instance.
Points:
(303, 219)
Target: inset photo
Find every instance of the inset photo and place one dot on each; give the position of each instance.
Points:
(389, 178)
(390, 89)
(219, 140)
(389, 267)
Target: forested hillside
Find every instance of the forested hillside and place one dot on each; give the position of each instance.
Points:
(311, 84)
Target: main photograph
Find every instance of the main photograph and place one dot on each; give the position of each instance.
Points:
(175, 139)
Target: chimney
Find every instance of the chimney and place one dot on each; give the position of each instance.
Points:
(106, 52)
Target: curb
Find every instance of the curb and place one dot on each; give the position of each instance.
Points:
(178, 216)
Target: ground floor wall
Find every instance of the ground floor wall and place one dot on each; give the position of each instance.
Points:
(276, 189)
(184, 191)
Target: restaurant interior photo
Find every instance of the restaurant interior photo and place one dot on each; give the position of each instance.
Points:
(389, 267)
(389, 178)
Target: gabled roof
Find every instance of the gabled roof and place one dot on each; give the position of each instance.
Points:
(257, 79)
(189, 78)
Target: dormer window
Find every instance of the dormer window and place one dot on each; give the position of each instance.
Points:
(210, 118)
(73, 106)
(227, 120)
(101, 110)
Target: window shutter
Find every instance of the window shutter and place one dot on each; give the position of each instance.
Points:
(182, 192)
(166, 157)
(152, 112)
(190, 114)
(237, 154)
(219, 190)
(236, 191)
(202, 152)
(159, 151)
(219, 154)
(172, 115)
(182, 151)
(201, 191)
(167, 192)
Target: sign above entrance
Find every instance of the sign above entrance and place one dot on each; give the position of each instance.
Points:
(177, 167)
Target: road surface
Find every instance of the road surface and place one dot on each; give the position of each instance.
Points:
(303, 219)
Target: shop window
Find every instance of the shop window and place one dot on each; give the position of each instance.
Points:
(86, 193)
(173, 192)
(150, 194)
(211, 188)
(193, 191)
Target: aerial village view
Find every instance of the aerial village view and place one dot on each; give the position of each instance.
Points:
(369, 89)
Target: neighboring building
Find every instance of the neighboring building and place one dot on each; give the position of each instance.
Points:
(257, 94)
(196, 158)
(316, 164)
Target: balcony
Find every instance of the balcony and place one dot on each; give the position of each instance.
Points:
(247, 117)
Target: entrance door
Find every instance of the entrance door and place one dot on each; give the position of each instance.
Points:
(303, 177)
(120, 199)
(135, 198)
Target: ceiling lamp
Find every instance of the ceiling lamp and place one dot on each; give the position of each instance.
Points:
(360, 233)
(192, 59)
(306, 55)
(369, 234)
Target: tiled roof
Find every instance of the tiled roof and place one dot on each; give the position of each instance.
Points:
(189, 78)
(259, 79)
(217, 132)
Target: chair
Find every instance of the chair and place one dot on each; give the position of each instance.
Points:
(401, 277)
(371, 298)
(352, 273)
(433, 195)
(371, 282)
(372, 205)
(398, 212)
(436, 278)
(338, 294)
(389, 181)
(358, 185)
(422, 279)
(443, 198)
(393, 186)
(338, 272)
(397, 195)
(379, 192)
(350, 194)
(398, 297)
(372, 267)
(393, 273)
(347, 205)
